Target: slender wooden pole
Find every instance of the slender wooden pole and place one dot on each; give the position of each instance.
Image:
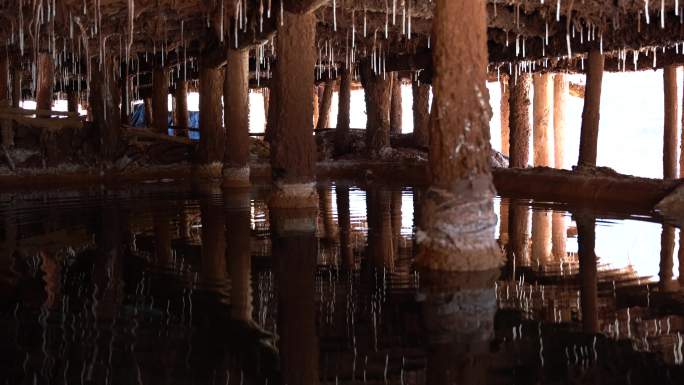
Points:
(182, 114)
(160, 100)
(520, 120)
(591, 113)
(45, 82)
(421, 113)
(542, 109)
(343, 110)
(396, 106)
(560, 97)
(505, 114)
(671, 124)
(325, 102)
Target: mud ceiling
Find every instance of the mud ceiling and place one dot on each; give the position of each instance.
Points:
(531, 34)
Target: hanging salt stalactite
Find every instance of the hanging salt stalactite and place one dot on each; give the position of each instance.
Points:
(408, 33)
(558, 10)
(403, 17)
(261, 16)
(131, 18)
(365, 26)
(353, 28)
(334, 15)
(222, 14)
(282, 13)
(646, 12)
(662, 14)
(268, 10)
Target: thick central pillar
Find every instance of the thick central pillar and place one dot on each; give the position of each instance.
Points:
(325, 102)
(236, 119)
(160, 100)
(519, 101)
(671, 122)
(45, 82)
(182, 114)
(105, 110)
(458, 225)
(561, 89)
(344, 107)
(377, 89)
(591, 113)
(395, 106)
(209, 157)
(293, 152)
(421, 113)
(542, 110)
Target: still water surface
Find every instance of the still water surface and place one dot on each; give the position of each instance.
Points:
(160, 286)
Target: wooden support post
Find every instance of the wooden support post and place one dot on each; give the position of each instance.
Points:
(316, 104)
(519, 121)
(105, 110)
(6, 126)
(271, 111)
(236, 119)
(561, 89)
(293, 153)
(505, 109)
(395, 105)
(209, 161)
(460, 196)
(72, 100)
(324, 106)
(45, 82)
(377, 94)
(586, 239)
(542, 109)
(671, 124)
(125, 101)
(421, 113)
(160, 100)
(591, 113)
(343, 110)
(667, 245)
(149, 114)
(182, 114)
(266, 95)
(16, 83)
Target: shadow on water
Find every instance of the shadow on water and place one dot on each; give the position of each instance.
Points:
(157, 286)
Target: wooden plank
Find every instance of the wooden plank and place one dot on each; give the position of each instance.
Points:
(44, 113)
(148, 134)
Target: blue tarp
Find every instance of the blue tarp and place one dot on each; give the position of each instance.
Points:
(138, 120)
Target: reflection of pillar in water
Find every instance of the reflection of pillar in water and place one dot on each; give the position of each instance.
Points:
(586, 239)
(504, 207)
(541, 236)
(458, 312)
(162, 236)
(325, 203)
(184, 222)
(294, 260)
(108, 269)
(667, 244)
(680, 256)
(559, 236)
(344, 224)
(213, 270)
(239, 253)
(396, 218)
(518, 233)
(380, 246)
